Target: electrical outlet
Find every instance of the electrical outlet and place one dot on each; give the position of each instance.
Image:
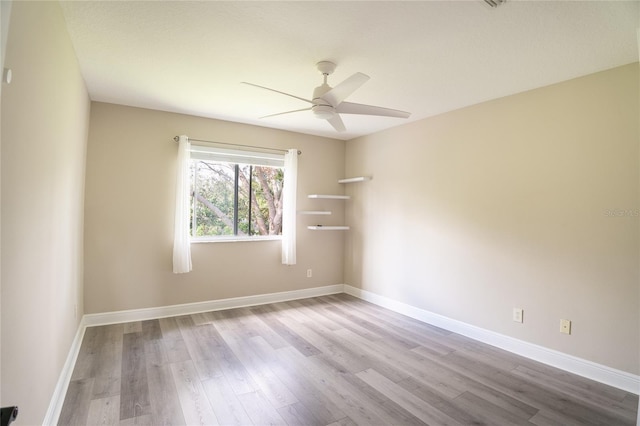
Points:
(565, 326)
(518, 314)
(309, 273)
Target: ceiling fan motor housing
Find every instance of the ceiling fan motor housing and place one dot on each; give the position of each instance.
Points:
(321, 108)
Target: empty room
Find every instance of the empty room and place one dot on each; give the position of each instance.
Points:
(320, 212)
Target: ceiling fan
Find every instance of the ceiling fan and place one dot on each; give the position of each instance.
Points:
(328, 103)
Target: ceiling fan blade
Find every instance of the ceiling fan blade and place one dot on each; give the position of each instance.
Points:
(277, 91)
(344, 89)
(351, 108)
(287, 112)
(337, 123)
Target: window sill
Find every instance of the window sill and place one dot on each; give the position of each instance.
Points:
(234, 239)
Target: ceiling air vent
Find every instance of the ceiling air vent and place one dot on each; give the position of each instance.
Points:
(494, 3)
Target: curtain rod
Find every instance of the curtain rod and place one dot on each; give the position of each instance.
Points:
(177, 138)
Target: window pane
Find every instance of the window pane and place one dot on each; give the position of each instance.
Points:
(267, 200)
(213, 189)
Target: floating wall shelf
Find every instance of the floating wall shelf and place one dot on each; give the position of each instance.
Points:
(333, 197)
(355, 179)
(328, 228)
(314, 212)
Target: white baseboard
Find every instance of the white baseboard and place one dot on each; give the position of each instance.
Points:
(210, 305)
(591, 370)
(57, 400)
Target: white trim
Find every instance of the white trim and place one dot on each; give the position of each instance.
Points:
(582, 367)
(60, 391)
(211, 305)
(233, 238)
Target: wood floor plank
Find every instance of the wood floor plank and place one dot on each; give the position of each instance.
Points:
(331, 360)
(134, 389)
(175, 348)
(231, 367)
(104, 411)
(163, 396)
(359, 401)
(259, 410)
(151, 330)
(133, 327)
(392, 317)
(75, 408)
(341, 397)
(392, 327)
(551, 418)
(545, 381)
(169, 328)
(477, 385)
(145, 420)
(433, 375)
(345, 421)
(630, 402)
(440, 402)
(341, 351)
(370, 398)
(407, 400)
(89, 350)
(108, 363)
(295, 340)
(350, 325)
(270, 385)
(100, 353)
(225, 403)
(193, 399)
(309, 308)
(487, 413)
(259, 328)
(371, 324)
(298, 414)
(232, 319)
(297, 382)
(198, 348)
(202, 318)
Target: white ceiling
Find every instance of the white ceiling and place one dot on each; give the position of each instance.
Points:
(425, 57)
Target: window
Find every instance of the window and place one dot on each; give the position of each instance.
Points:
(235, 194)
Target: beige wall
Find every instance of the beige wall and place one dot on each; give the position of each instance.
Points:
(131, 162)
(503, 205)
(45, 118)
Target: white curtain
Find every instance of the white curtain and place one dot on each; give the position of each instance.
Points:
(181, 243)
(289, 210)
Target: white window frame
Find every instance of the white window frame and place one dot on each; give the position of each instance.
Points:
(234, 156)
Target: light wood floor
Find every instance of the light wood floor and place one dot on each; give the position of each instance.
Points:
(332, 360)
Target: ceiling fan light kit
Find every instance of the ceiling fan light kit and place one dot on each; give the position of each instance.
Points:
(328, 103)
(323, 111)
